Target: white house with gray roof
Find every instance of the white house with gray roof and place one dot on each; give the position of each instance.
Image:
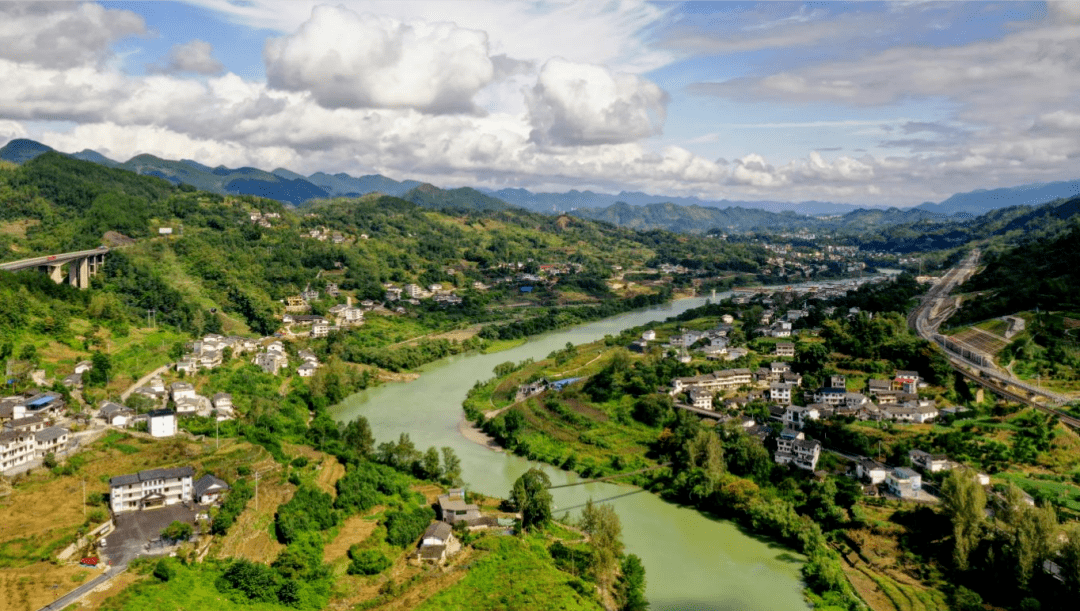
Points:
(151, 488)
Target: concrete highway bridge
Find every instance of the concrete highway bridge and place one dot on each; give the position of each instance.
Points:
(80, 265)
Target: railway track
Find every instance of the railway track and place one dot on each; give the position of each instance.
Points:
(925, 326)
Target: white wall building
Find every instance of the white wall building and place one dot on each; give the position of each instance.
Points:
(152, 488)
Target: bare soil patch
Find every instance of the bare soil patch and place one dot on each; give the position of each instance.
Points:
(354, 530)
(32, 587)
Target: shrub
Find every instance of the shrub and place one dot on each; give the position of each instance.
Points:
(367, 562)
(404, 527)
(178, 531)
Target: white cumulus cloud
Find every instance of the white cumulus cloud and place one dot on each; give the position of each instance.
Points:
(584, 104)
(348, 60)
(62, 34)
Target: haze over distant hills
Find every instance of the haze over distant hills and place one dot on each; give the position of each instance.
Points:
(631, 209)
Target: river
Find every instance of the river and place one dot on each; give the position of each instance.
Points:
(692, 562)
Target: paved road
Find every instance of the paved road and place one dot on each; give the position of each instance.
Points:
(83, 590)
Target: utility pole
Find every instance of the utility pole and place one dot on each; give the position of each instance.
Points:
(256, 492)
(84, 498)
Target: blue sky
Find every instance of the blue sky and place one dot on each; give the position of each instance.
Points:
(864, 102)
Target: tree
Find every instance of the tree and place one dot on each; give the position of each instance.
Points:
(964, 502)
(631, 587)
(1070, 560)
(100, 372)
(429, 466)
(1029, 532)
(652, 409)
(451, 473)
(531, 497)
(178, 531)
(602, 525)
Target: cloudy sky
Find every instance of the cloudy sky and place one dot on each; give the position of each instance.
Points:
(871, 103)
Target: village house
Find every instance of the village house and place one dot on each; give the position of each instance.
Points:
(306, 370)
(17, 447)
(115, 414)
(320, 328)
(713, 382)
(701, 399)
(73, 380)
(12, 408)
(785, 349)
(796, 416)
(161, 423)
(903, 482)
(393, 293)
(649, 336)
(51, 440)
(84, 366)
(437, 543)
(871, 471)
(187, 366)
(793, 448)
(780, 392)
(270, 362)
(907, 381)
(181, 390)
(223, 405)
(45, 404)
(918, 412)
(209, 490)
(453, 508)
(931, 463)
(151, 488)
(838, 381)
(29, 424)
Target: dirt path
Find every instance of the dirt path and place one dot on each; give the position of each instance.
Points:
(143, 380)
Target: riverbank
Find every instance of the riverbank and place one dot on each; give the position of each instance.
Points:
(473, 433)
(692, 560)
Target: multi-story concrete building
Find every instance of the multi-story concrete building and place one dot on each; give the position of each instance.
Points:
(152, 488)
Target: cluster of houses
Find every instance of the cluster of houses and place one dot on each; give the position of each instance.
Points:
(262, 219)
(412, 293)
(163, 487)
(25, 433)
(209, 352)
(323, 234)
(713, 344)
(343, 315)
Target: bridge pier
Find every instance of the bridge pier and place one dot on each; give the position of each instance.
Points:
(55, 272)
(79, 273)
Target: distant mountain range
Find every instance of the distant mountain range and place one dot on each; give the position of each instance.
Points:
(630, 209)
(983, 200)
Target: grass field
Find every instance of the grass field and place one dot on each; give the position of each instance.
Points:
(513, 573)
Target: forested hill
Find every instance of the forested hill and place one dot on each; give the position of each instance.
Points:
(1007, 225)
(1036, 274)
(219, 257)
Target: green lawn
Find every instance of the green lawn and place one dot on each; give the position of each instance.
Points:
(515, 573)
(191, 588)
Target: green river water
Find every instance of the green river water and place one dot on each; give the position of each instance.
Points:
(692, 562)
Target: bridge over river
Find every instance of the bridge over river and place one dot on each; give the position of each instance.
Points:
(81, 265)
